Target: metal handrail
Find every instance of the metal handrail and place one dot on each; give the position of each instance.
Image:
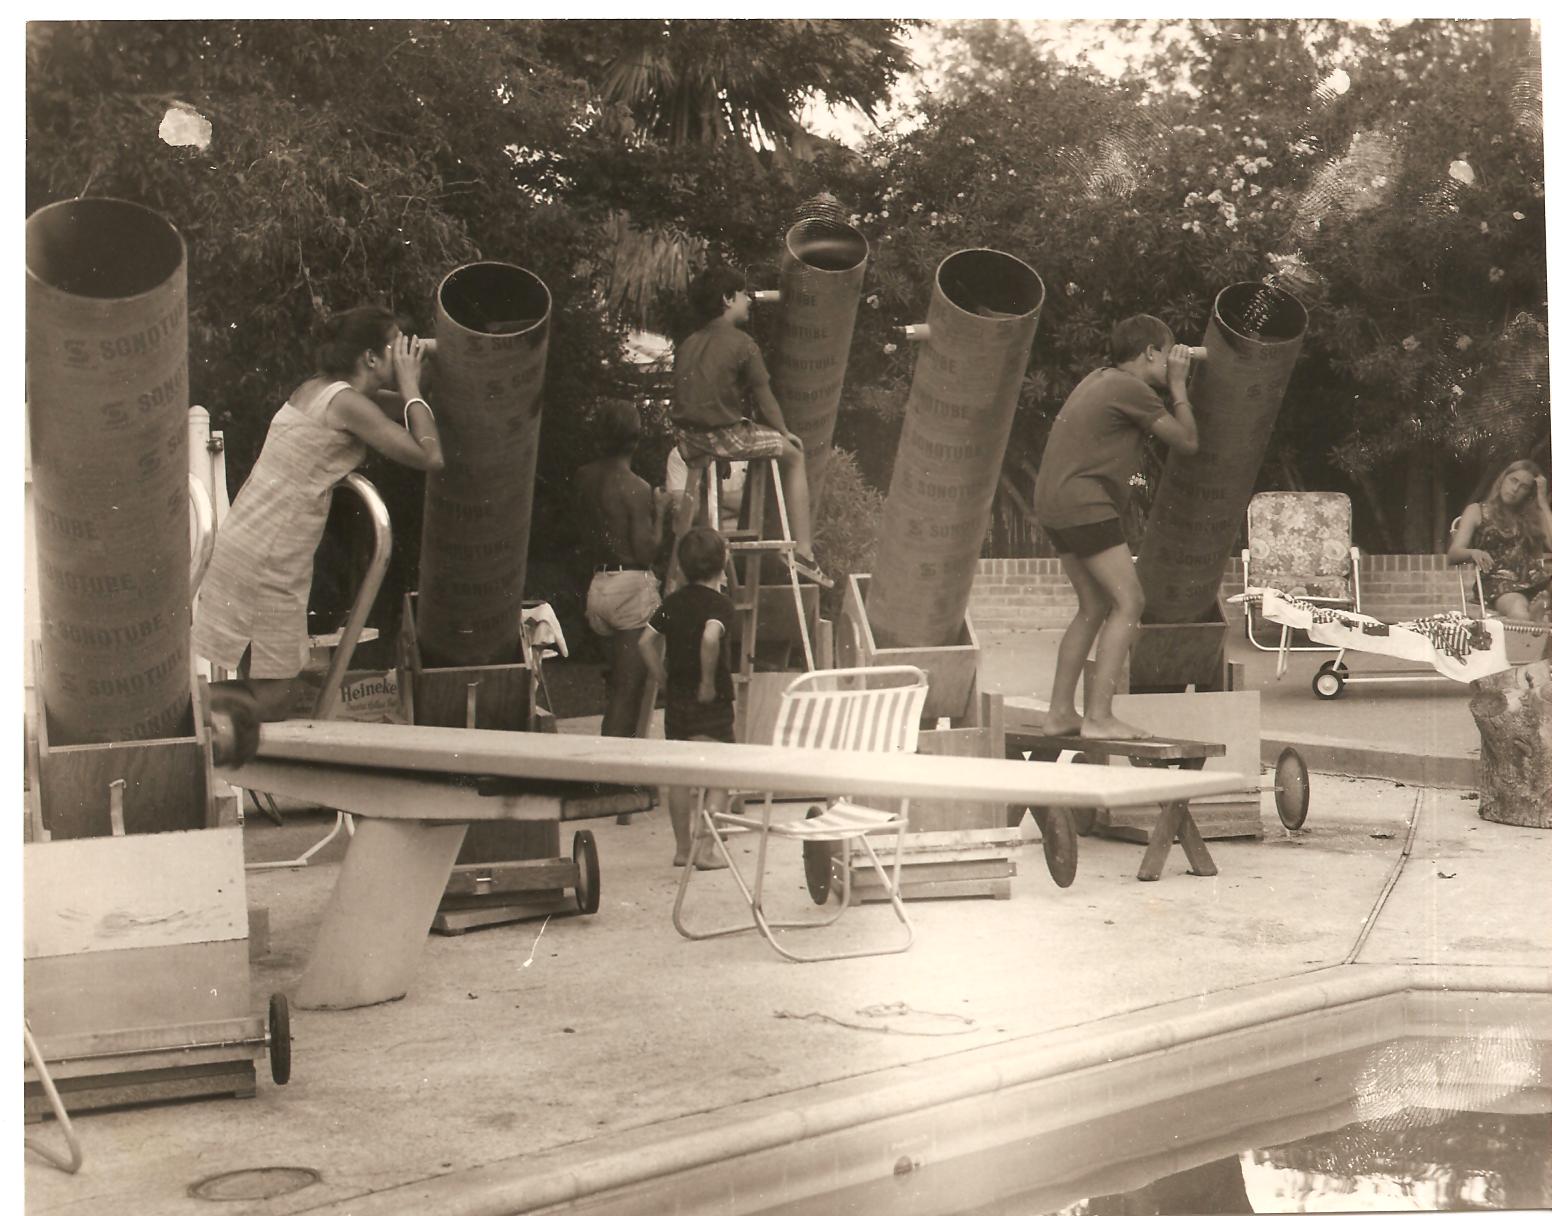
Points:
(366, 596)
(382, 550)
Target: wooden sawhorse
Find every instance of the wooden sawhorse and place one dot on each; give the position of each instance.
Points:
(1024, 740)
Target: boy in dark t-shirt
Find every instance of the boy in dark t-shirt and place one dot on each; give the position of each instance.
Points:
(1094, 449)
(693, 626)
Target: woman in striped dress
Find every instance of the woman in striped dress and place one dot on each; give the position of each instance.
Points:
(253, 601)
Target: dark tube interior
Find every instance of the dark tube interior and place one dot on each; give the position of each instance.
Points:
(102, 248)
(495, 298)
(990, 284)
(1257, 310)
(827, 245)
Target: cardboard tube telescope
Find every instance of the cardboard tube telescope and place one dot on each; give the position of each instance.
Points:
(492, 335)
(821, 279)
(982, 319)
(107, 400)
(1253, 338)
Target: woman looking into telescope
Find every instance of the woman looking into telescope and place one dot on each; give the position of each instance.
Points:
(253, 602)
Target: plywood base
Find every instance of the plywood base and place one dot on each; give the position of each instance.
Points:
(937, 865)
(455, 916)
(230, 1079)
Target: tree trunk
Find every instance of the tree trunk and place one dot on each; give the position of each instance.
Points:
(1513, 712)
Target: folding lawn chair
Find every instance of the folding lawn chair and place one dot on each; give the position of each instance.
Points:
(1300, 543)
(865, 709)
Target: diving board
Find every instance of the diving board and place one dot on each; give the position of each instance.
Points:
(416, 789)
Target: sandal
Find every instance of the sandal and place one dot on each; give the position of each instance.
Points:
(809, 568)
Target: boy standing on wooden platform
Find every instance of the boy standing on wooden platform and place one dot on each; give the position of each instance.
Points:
(1081, 491)
(685, 648)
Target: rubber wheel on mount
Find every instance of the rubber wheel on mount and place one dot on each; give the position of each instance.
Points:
(1329, 681)
(584, 852)
(1291, 790)
(1060, 843)
(279, 1038)
(816, 863)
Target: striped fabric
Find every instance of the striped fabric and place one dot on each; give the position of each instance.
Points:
(256, 588)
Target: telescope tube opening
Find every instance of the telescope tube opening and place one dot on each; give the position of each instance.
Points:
(1261, 312)
(986, 282)
(102, 248)
(827, 245)
(494, 298)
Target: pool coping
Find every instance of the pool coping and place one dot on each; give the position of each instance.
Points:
(676, 1156)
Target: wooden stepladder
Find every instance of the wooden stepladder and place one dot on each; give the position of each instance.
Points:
(784, 613)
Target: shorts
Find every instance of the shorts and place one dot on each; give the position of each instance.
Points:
(621, 600)
(744, 440)
(1085, 540)
(691, 720)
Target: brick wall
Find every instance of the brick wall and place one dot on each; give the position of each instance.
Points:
(1032, 592)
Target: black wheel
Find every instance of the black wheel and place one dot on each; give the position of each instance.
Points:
(1061, 845)
(584, 852)
(279, 1039)
(1329, 681)
(816, 863)
(1291, 790)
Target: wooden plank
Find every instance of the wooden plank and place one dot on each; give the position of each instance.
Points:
(912, 856)
(452, 920)
(119, 893)
(172, 1044)
(493, 842)
(951, 670)
(126, 992)
(963, 888)
(503, 696)
(235, 1079)
(968, 838)
(1215, 820)
(673, 762)
(165, 786)
(933, 871)
(505, 877)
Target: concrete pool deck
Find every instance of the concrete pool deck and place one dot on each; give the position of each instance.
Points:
(527, 1069)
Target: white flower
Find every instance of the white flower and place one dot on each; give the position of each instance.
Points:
(967, 141)
(1410, 343)
(1073, 289)
(1379, 181)
(916, 206)
(1012, 172)
(1215, 197)
(1136, 479)
(873, 300)
(1462, 172)
(1254, 190)
(1457, 390)
(1482, 226)
(1494, 274)
(854, 220)
(1463, 342)
(961, 194)
(1196, 227)
(883, 215)
(1186, 227)
(1519, 215)
(890, 348)
(1239, 184)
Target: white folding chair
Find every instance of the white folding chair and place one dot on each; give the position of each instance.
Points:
(863, 709)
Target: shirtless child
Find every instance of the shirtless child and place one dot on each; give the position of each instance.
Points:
(622, 517)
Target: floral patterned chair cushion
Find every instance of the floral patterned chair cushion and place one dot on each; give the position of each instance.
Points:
(1301, 543)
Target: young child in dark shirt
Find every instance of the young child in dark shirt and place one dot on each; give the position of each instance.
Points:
(685, 648)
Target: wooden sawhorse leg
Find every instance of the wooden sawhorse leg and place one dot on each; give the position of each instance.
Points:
(1175, 823)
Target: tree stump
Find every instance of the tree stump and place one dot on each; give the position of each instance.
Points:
(1513, 712)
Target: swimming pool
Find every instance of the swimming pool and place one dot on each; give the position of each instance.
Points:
(1041, 1123)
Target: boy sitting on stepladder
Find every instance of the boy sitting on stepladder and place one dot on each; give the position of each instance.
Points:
(685, 647)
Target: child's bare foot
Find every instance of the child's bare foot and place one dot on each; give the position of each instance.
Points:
(1111, 727)
(1060, 724)
(681, 858)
